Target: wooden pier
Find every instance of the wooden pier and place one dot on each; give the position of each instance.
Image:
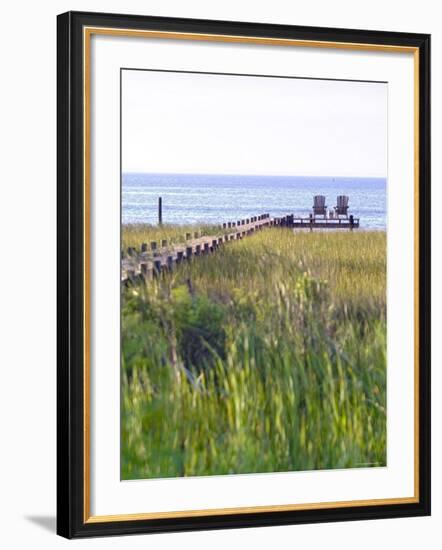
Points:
(153, 259)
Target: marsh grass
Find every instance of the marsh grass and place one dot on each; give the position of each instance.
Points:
(269, 355)
(136, 233)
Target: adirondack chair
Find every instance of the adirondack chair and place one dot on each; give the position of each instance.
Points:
(319, 206)
(341, 207)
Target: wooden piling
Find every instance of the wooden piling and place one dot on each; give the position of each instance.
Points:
(160, 211)
(146, 271)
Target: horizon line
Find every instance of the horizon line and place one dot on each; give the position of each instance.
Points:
(129, 172)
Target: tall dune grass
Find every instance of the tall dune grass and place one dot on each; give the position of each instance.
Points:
(269, 355)
(136, 233)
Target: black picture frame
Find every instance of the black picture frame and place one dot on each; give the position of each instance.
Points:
(71, 520)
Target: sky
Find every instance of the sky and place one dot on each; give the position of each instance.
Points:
(219, 124)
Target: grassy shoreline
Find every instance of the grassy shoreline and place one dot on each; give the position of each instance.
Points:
(266, 356)
(135, 234)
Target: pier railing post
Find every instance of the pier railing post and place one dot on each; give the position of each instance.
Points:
(160, 211)
(157, 267)
(146, 271)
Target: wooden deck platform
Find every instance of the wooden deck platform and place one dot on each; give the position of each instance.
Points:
(318, 223)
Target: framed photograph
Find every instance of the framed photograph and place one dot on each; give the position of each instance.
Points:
(243, 274)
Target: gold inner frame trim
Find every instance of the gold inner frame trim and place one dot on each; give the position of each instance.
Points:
(416, 274)
(87, 33)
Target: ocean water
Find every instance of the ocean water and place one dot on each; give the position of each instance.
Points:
(206, 198)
